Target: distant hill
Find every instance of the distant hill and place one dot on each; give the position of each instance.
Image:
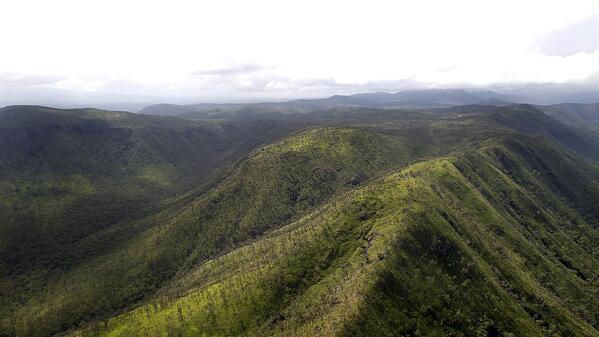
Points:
(583, 115)
(531, 120)
(428, 98)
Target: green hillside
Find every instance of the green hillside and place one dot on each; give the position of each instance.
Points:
(469, 221)
(489, 243)
(581, 115)
(66, 174)
(78, 184)
(269, 188)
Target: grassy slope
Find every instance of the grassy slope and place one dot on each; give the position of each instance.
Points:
(490, 243)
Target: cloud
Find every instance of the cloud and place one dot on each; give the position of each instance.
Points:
(236, 69)
(580, 37)
(13, 79)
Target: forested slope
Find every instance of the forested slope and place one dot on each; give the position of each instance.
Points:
(267, 190)
(489, 243)
(465, 221)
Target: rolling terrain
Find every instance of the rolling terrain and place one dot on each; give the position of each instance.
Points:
(425, 98)
(466, 221)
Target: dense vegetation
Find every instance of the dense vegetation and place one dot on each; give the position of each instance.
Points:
(66, 174)
(476, 221)
(477, 245)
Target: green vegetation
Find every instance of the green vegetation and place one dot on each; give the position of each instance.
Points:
(79, 184)
(471, 221)
(425, 251)
(68, 174)
(272, 186)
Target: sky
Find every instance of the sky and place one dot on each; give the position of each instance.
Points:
(247, 50)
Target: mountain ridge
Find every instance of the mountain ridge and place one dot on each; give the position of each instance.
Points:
(453, 254)
(307, 228)
(425, 98)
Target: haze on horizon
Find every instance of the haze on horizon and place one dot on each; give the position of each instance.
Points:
(186, 51)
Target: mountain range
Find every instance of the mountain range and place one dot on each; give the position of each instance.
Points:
(429, 98)
(406, 99)
(418, 213)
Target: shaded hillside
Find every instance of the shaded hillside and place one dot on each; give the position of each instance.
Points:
(580, 115)
(490, 243)
(66, 174)
(530, 120)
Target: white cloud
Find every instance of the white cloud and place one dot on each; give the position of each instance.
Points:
(579, 37)
(12, 79)
(232, 69)
(286, 48)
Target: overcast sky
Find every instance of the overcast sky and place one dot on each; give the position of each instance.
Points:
(280, 49)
